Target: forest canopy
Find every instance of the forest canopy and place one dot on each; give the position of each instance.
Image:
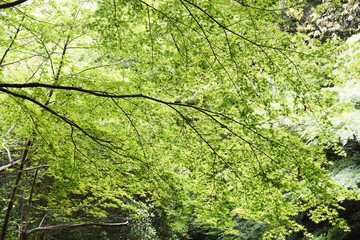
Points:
(154, 118)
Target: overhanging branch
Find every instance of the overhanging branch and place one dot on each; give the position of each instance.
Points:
(212, 115)
(207, 112)
(12, 4)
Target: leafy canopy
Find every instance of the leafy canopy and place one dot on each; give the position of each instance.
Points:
(183, 105)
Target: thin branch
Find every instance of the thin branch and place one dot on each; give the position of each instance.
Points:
(173, 21)
(115, 14)
(211, 45)
(42, 220)
(141, 139)
(202, 30)
(11, 43)
(260, 46)
(242, 3)
(74, 225)
(11, 128)
(53, 112)
(8, 153)
(2, 168)
(227, 164)
(34, 72)
(175, 42)
(19, 60)
(58, 73)
(20, 12)
(151, 38)
(37, 167)
(95, 67)
(48, 53)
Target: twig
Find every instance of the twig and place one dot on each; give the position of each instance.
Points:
(9, 165)
(37, 167)
(75, 225)
(42, 220)
(8, 153)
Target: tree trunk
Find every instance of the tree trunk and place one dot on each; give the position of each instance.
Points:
(13, 194)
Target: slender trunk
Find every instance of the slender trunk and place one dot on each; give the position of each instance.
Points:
(13, 194)
(25, 153)
(25, 221)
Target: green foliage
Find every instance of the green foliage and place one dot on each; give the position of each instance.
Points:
(190, 111)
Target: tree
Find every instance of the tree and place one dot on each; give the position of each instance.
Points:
(178, 105)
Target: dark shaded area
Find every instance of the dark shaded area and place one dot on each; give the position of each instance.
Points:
(201, 233)
(351, 213)
(352, 216)
(352, 149)
(246, 230)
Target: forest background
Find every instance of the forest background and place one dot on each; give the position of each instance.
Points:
(177, 119)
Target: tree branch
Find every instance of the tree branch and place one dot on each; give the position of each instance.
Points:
(2, 168)
(53, 112)
(37, 167)
(75, 225)
(212, 115)
(11, 43)
(12, 4)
